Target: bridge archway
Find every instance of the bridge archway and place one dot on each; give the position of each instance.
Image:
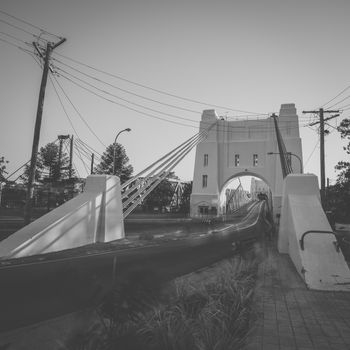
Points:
(242, 188)
(248, 147)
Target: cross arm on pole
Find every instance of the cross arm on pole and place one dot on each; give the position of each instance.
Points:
(59, 43)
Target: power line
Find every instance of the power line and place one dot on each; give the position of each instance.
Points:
(88, 153)
(345, 98)
(127, 107)
(128, 101)
(64, 109)
(14, 37)
(157, 90)
(29, 24)
(123, 99)
(124, 90)
(79, 114)
(89, 147)
(318, 141)
(144, 113)
(341, 92)
(342, 108)
(77, 153)
(21, 29)
(11, 43)
(83, 151)
(321, 121)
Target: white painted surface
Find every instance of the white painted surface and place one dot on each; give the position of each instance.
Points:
(319, 264)
(93, 216)
(244, 138)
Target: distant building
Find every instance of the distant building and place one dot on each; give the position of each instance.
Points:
(258, 187)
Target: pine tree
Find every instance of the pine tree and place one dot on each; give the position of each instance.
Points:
(48, 165)
(122, 169)
(3, 163)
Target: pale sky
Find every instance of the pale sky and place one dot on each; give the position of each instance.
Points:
(250, 55)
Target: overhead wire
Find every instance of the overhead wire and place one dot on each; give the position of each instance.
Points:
(84, 152)
(124, 90)
(11, 43)
(88, 156)
(307, 161)
(29, 24)
(63, 107)
(14, 37)
(89, 147)
(127, 107)
(157, 90)
(77, 153)
(128, 101)
(79, 114)
(342, 108)
(131, 108)
(345, 98)
(21, 29)
(332, 99)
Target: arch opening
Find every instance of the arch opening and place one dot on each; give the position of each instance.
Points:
(241, 189)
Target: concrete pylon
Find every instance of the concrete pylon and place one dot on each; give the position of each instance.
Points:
(306, 236)
(95, 215)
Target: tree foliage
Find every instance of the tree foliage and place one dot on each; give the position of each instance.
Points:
(122, 169)
(338, 196)
(186, 197)
(3, 163)
(160, 197)
(49, 165)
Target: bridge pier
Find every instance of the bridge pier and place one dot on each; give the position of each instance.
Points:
(306, 236)
(93, 216)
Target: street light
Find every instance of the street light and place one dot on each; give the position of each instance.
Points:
(291, 154)
(115, 146)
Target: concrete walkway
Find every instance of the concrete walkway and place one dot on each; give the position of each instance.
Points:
(289, 316)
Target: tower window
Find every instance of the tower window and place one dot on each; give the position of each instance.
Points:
(204, 180)
(255, 160)
(205, 160)
(236, 159)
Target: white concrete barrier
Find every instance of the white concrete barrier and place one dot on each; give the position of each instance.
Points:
(320, 265)
(95, 215)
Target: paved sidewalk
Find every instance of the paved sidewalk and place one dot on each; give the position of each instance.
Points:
(289, 316)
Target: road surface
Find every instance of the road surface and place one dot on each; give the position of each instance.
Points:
(42, 287)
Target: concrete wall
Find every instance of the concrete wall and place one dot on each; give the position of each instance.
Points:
(93, 216)
(244, 138)
(319, 264)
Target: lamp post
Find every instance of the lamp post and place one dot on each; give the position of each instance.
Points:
(292, 154)
(115, 146)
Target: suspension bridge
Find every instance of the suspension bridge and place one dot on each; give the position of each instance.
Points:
(73, 255)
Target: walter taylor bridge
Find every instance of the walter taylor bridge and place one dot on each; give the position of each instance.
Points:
(82, 241)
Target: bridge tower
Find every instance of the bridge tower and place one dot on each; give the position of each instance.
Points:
(238, 148)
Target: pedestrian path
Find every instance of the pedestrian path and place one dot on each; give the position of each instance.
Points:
(289, 316)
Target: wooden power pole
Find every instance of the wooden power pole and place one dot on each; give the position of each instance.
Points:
(30, 190)
(321, 112)
(71, 156)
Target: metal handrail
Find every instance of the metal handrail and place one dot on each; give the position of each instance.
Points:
(301, 241)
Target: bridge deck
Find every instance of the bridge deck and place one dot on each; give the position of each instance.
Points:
(289, 316)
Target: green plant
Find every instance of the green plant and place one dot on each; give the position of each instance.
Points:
(212, 315)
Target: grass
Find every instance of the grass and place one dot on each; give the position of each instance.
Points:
(213, 313)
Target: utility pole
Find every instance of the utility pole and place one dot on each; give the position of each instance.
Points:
(30, 190)
(71, 156)
(60, 157)
(61, 139)
(321, 121)
(92, 163)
